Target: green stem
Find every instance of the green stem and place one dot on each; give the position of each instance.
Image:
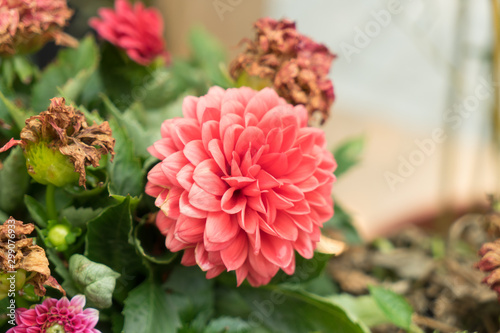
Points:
(50, 201)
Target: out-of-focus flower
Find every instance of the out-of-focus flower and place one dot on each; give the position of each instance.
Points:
(293, 64)
(137, 30)
(26, 25)
(242, 183)
(490, 262)
(59, 144)
(57, 316)
(25, 255)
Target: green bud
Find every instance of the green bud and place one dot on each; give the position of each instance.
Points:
(8, 280)
(49, 166)
(60, 234)
(254, 82)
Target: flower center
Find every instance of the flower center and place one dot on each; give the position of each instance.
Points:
(55, 329)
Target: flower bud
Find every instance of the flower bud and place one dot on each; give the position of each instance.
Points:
(59, 144)
(490, 262)
(49, 166)
(60, 235)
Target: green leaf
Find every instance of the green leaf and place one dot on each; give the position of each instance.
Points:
(125, 172)
(209, 53)
(193, 295)
(131, 128)
(14, 180)
(23, 68)
(18, 115)
(71, 71)
(394, 306)
(36, 210)
(8, 74)
(305, 269)
(348, 154)
(277, 309)
(78, 217)
(96, 281)
(61, 269)
(228, 325)
(149, 309)
(107, 242)
(363, 308)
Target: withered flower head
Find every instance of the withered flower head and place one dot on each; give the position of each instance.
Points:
(293, 64)
(26, 25)
(490, 262)
(59, 144)
(27, 256)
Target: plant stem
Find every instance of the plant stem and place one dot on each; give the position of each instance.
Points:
(50, 201)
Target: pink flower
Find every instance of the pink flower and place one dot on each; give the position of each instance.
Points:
(137, 30)
(242, 183)
(57, 314)
(26, 25)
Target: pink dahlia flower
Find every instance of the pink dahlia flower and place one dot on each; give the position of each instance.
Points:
(26, 25)
(242, 183)
(57, 316)
(136, 29)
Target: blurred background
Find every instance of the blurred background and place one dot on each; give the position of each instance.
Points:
(413, 77)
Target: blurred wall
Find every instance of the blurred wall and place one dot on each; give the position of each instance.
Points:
(229, 20)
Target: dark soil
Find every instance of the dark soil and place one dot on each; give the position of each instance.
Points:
(435, 274)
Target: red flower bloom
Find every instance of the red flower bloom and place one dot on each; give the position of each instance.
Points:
(137, 30)
(242, 183)
(57, 316)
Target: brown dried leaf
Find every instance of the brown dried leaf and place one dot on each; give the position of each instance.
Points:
(27, 256)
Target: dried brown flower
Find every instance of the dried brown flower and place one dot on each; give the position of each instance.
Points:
(293, 64)
(27, 255)
(490, 262)
(25, 26)
(62, 129)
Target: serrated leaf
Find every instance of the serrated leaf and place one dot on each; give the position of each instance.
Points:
(348, 154)
(107, 242)
(96, 281)
(126, 174)
(78, 217)
(394, 306)
(149, 309)
(14, 180)
(36, 210)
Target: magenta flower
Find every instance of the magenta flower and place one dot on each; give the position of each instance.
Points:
(242, 183)
(137, 30)
(54, 316)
